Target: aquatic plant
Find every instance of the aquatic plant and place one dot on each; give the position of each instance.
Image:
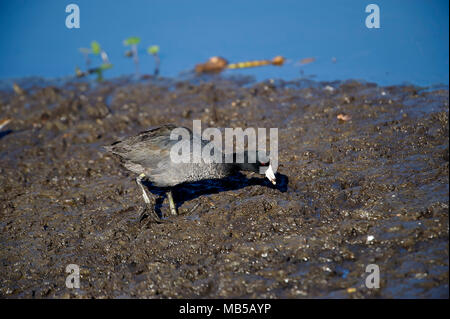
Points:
(132, 42)
(154, 50)
(99, 71)
(97, 50)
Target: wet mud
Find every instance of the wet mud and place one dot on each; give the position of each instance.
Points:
(371, 188)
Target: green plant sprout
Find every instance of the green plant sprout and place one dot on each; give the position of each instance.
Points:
(98, 70)
(97, 50)
(94, 50)
(153, 50)
(132, 42)
(101, 69)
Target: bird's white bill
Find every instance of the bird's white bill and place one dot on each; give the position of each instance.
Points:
(270, 175)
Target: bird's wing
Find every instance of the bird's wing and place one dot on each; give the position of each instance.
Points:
(150, 148)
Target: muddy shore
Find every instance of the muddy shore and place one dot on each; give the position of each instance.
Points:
(370, 189)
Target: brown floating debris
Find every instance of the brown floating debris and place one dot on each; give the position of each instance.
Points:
(307, 61)
(218, 64)
(343, 117)
(278, 60)
(215, 64)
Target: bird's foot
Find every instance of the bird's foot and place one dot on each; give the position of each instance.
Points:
(147, 212)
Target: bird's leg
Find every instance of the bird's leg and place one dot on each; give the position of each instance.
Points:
(144, 193)
(147, 200)
(173, 208)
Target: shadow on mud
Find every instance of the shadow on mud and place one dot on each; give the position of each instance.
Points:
(189, 191)
(4, 133)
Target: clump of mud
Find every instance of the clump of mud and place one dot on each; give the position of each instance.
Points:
(370, 188)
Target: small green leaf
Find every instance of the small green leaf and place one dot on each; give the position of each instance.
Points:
(132, 40)
(95, 47)
(105, 66)
(154, 49)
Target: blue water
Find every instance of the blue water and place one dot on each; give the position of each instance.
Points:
(411, 45)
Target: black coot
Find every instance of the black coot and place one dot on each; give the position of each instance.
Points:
(148, 155)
